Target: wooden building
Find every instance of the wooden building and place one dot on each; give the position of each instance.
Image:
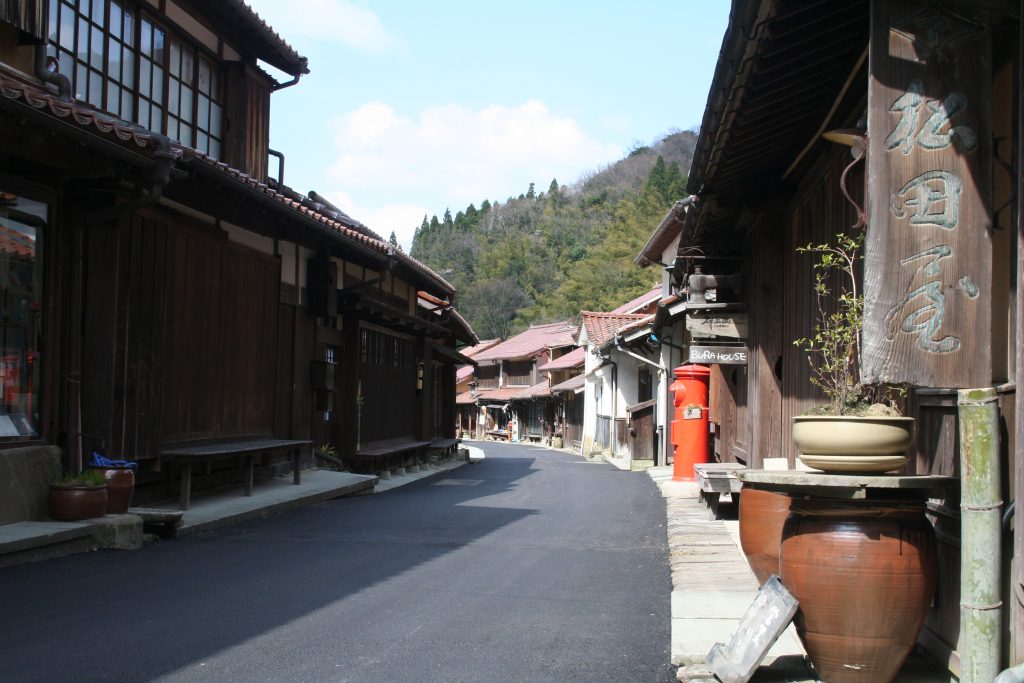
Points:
(468, 422)
(931, 91)
(162, 289)
(511, 389)
(565, 377)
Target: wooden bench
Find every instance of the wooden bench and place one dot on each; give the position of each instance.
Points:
(499, 434)
(246, 450)
(714, 479)
(387, 449)
(446, 446)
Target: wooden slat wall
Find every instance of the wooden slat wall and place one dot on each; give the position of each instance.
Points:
(815, 215)
(221, 341)
(246, 143)
(180, 336)
(764, 292)
(387, 377)
(26, 15)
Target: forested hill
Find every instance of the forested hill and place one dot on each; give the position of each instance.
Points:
(545, 256)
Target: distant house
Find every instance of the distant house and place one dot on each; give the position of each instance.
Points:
(162, 288)
(615, 380)
(467, 413)
(565, 377)
(510, 387)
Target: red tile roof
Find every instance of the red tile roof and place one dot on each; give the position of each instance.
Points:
(464, 372)
(573, 359)
(571, 384)
(601, 327)
(479, 346)
(502, 394)
(531, 342)
(465, 399)
(16, 243)
(645, 303)
(540, 390)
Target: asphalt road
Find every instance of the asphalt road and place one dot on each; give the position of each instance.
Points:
(531, 566)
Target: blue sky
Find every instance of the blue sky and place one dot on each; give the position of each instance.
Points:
(414, 107)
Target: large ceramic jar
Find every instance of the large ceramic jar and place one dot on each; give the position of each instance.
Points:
(762, 515)
(864, 573)
(120, 488)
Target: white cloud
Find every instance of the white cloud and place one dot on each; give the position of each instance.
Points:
(451, 156)
(348, 21)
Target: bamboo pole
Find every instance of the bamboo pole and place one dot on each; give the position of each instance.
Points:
(980, 560)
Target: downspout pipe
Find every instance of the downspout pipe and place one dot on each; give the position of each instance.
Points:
(62, 82)
(981, 533)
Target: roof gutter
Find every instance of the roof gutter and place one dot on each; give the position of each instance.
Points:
(295, 79)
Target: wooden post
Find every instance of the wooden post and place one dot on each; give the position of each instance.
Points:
(346, 399)
(1017, 579)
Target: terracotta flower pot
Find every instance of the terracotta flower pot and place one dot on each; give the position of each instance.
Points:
(864, 575)
(72, 503)
(844, 443)
(762, 515)
(120, 488)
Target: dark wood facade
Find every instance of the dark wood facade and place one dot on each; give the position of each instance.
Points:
(182, 300)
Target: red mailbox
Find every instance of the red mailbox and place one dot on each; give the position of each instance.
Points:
(690, 419)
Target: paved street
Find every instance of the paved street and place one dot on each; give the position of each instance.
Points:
(531, 566)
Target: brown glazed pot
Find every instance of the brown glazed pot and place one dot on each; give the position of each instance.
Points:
(864, 575)
(120, 487)
(762, 515)
(71, 503)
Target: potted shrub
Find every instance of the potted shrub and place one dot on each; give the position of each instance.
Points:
(78, 496)
(860, 429)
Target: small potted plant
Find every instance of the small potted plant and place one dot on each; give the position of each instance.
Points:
(860, 429)
(78, 496)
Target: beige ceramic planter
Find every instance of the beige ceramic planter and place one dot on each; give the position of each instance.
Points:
(853, 444)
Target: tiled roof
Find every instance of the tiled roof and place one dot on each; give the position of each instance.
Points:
(269, 46)
(642, 303)
(531, 342)
(601, 327)
(540, 390)
(502, 394)
(15, 243)
(464, 372)
(144, 142)
(465, 399)
(571, 384)
(480, 346)
(646, 320)
(574, 358)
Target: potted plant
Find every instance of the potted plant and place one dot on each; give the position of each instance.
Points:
(78, 496)
(860, 429)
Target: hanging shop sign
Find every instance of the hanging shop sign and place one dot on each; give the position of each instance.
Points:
(708, 325)
(718, 355)
(927, 269)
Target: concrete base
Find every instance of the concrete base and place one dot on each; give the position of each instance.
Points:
(25, 476)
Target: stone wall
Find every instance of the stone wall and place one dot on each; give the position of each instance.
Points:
(25, 474)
